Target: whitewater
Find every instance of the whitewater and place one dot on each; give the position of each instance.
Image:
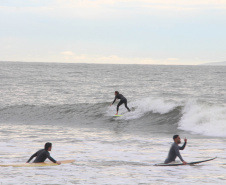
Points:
(69, 105)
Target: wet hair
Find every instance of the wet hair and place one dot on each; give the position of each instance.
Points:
(47, 145)
(175, 136)
(117, 92)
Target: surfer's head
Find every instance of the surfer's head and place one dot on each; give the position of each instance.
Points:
(48, 146)
(116, 93)
(176, 139)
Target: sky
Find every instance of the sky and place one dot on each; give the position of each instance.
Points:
(180, 32)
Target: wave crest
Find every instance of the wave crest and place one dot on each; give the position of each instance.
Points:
(202, 118)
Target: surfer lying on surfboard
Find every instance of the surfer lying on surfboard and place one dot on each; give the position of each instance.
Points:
(174, 150)
(122, 100)
(43, 154)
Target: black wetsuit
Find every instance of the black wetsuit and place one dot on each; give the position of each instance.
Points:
(41, 156)
(122, 100)
(174, 152)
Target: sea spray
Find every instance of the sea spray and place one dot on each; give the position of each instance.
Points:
(202, 118)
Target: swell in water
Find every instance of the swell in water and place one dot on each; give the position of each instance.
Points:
(192, 115)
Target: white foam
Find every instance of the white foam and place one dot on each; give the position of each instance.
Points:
(103, 155)
(143, 106)
(201, 118)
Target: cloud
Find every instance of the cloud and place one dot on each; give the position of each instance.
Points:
(173, 59)
(67, 53)
(70, 57)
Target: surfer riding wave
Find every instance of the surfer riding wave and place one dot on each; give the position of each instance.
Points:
(122, 100)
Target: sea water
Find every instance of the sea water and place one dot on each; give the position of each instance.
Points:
(69, 105)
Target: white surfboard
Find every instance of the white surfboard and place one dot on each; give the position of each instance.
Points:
(179, 164)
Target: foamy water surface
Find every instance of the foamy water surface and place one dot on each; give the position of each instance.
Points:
(107, 157)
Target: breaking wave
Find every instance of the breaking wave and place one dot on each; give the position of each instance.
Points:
(192, 116)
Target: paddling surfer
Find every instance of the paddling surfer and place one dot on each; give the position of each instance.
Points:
(174, 150)
(43, 154)
(122, 100)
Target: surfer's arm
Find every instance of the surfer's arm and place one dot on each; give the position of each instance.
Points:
(114, 100)
(178, 153)
(34, 155)
(50, 158)
(53, 160)
(182, 147)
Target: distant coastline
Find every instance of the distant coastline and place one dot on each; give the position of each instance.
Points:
(215, 64)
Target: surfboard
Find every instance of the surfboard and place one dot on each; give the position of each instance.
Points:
(179, 164)
(118, 115)
(36, 164)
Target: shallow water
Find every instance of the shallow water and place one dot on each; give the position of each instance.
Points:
(107, 157)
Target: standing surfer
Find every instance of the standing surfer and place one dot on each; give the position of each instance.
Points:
(174, 150)
(122, 100)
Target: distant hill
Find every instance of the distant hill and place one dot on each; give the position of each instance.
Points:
(215, 64)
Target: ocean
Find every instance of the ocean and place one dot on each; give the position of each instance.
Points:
(69, 105)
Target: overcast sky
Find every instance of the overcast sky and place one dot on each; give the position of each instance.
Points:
(113, 31)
